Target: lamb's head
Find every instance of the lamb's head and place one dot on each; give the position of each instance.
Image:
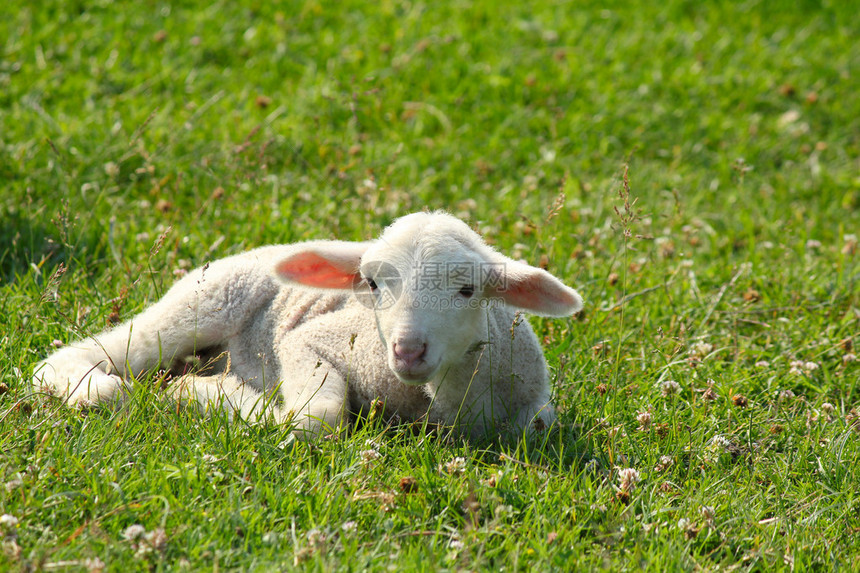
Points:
(430, 280)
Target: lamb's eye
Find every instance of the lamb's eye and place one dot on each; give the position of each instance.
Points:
(371, 283)
(467, 291)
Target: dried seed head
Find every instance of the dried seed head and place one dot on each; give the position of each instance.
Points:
(752, 295)
(408, 485)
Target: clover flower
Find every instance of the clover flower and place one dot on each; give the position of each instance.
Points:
(134, 532)
(644, 419)
(628, 478)
(455, 467)
(369, 456)
(669, 388)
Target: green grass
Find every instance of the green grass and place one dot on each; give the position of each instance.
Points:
(139, 139)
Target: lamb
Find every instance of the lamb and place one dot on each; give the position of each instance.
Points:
(424, 319)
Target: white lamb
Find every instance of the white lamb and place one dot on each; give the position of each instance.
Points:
(422, 319)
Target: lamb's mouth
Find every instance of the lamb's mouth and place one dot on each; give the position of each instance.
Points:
(417, 375)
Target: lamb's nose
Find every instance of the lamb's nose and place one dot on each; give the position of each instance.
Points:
(409, 353)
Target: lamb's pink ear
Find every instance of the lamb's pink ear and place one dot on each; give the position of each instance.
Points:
(535, 290)
(324, 265)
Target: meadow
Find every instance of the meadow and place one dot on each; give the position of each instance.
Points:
(692, 168)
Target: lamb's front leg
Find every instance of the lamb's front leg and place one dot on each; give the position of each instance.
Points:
(226, 392)
(312, 397)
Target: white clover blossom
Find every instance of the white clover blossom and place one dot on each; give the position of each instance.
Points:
(134, 532)
(316, 537)
(800, 367)
(502, 510)
(94, 565)
(455, 467)
(786, 395)
(369, 456)
(669, 388)
(270, 538)
(8, 521)
(156, 539)
(644, 419)
(349, 526)
(14, 484)
(850, 246)
(628, 478)
(665, 462)
(701, 349)
(722, 442)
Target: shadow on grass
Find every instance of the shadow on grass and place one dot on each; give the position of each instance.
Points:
(23, 244)
(563, 448)
(27, 245)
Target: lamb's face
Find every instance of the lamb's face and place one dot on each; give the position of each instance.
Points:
(427, 292)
